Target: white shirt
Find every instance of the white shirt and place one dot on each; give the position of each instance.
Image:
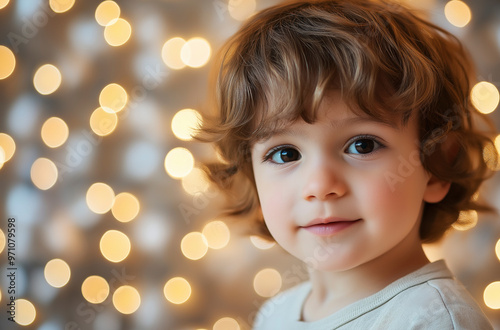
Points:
(429, 298)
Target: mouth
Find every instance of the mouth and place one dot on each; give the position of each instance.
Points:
(329, 226)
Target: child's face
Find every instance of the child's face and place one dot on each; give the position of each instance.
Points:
(361, 177)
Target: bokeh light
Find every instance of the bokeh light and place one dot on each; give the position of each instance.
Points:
(106, 12)
(491, 157)
(185, 123)
(8, 146)
(95, 289)
(466, 220)
(54, 132)
(114, 245)
(177, 290)
(497, 249)
(240, 10)
(2, 240)
(125, 207)
(102, 122)
(100, 198)
(3, 4)
(171, 53)
(261, 243)
(457, 13)
(195, 52)
(267, 282)
(113, 98)
(117, 32)
(194, 246)
(57, 273)
(217, 234)
(485, 97)
(25, 312)
(179, 162)
(44, 173)
(195, 182)
(226, 323)
(47, 79)
(491, 295)
(7, 61)
(61, 6)
(126, 299)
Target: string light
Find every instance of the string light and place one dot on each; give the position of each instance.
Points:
(25, 312)
(177, 290)
(457, 13)
(226, 323)
(44, 173)
(95, 289)
(7, 61)
(485, 97)
(171, 53)
(185, 123)
(107, 12)
(217, 234)
(267, 282)
(179, 162)
(113, 98)
(117, 32)
(195, 52)
(114, 245)
(61, 6)
(47, 79)
(103, 122)
(54, 132)
(125, 207)
(240, 10)
(194, 246)
(126, 299)
(57, 273)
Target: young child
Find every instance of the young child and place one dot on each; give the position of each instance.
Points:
(348, 135)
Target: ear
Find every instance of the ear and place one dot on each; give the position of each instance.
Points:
(436, 190)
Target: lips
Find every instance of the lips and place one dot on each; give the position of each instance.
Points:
(329, 226)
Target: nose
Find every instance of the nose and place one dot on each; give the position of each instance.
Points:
(323, 181)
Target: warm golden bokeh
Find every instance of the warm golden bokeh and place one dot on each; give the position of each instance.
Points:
(100, 198)
(61, 6)
(226, 323)
(171, 53)
(240, 10)
(117, 32)
(126, 299)
(44, 173)
(217, 234)
(25, 312)
(457, 13)
(3, 3)
(102, 122)
(485, 97)
(113, 98)
(195, 182)
(179, 162)
(466, 220)
(491, 295)
(261, 243)
(267, 282)
(125, 207)
(194, 246)
(196, 52)
(177, 290)
(57, 273)
(107, 12)
(95, 289)
(185, 123)
(7, 62)
(8, 146)
(54, 132)
(47, 79)
(115, 245)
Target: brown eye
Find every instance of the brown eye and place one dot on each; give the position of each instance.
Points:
(363, 146)
(284, 155)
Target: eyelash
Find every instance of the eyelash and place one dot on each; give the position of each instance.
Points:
(268, 156)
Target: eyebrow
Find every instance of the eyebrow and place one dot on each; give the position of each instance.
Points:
(334, 124)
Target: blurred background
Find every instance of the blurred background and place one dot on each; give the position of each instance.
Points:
(106, 220)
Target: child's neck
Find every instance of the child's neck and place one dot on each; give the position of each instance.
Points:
(331, 291)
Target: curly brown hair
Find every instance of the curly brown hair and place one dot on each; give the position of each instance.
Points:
(386, 61)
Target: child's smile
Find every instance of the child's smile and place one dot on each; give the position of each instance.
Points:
(328, 186)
